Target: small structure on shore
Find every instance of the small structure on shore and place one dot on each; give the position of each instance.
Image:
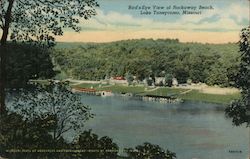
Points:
(106, 93)
(90, 91)
(161, 99)
(160, 81)
(118, 80)
(174, 82)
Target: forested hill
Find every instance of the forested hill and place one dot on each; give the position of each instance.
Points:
(208, 63)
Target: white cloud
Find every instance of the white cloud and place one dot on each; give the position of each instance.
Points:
(229, 19)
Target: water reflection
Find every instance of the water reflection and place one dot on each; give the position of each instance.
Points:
(192, 130)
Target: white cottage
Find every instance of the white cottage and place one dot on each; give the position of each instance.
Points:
(174, 82)
(160, 81)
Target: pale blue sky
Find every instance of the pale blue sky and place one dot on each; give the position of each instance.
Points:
(121, 6)
(115, 19)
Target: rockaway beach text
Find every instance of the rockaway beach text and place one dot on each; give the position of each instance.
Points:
(169, 10)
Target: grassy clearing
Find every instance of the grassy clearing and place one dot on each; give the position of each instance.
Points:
(124, 89)
(195, 95)
(88, 85)
(115, 88)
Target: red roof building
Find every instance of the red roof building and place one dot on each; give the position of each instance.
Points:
(119, 78)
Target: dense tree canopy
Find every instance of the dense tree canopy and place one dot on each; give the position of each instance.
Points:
(207, 63)
(25, 62)
(23, 139)
(239, 110)
(39, 21)
(95, 147)
(54, 100)
(149, 151)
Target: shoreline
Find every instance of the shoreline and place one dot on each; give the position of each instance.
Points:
(193, 92)
(206, 94)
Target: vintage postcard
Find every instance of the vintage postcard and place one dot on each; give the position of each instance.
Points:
(125, 79)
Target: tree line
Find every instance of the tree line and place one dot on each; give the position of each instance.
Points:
(212, 64)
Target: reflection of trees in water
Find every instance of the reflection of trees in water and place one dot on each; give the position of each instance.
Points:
(39, 117)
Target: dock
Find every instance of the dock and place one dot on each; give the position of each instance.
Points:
(161, 99)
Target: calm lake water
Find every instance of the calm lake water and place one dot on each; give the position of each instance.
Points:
(192, 130)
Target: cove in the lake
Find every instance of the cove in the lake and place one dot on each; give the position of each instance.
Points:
(191, 130)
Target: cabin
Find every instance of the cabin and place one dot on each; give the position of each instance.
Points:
(160, 81)
(174, 82)
(118, 80)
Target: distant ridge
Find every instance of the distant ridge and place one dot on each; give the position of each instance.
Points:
(78, 44)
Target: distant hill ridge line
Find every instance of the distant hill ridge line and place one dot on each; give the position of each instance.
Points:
(76, 44)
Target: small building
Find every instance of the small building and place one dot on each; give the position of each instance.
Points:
(174, 82)
(106, 93)
(118, 80)
(160, 81)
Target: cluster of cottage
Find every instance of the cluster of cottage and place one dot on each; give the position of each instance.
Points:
(157, 81)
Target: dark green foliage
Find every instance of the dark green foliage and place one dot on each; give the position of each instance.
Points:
(93, 147)
(129, 77)
(25, 62)
(54, 100)
(149, 58)
(168, 80)
(239, 110)
(218, 75)
(23, 139)
(37, 22)
(149, 81)
(149, 151)
(181, 73)
(37, 119)
(243, 80)
(18, 137)
(41, 20)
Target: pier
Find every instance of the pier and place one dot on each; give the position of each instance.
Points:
(161, 99)
(153, 98)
